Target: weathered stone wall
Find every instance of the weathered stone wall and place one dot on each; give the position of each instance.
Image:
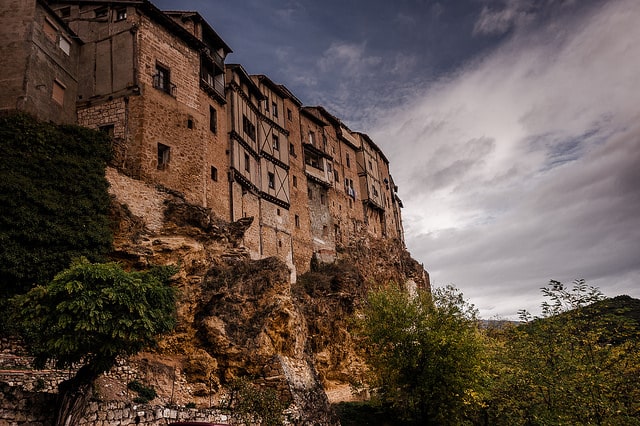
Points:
(33, 62)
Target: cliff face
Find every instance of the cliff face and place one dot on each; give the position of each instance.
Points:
(240, 317)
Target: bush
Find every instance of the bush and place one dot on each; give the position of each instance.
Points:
(145, 393)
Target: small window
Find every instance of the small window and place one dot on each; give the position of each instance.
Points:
(312, 138)
(336, 176)
(323, 199)
(266, 105)
(213, 120)
(107, 129)
(214, 174)
(295, 181)
(274, 109)
(65, 12)
(292, 150)
(278, 212)
(348, 161)
(272, 180)
(164, 155)
(65, 45)
(249, 128)
(50, 31)
(57, 94)
(276, 142)
(162, 80)
(297, 221)
(189, 123)
(289, 114)
(101, 12)
(247, 163)
(121, 14)
(310, 193)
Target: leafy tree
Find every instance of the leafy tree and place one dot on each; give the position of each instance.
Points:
(54, 202)
(425, 354)
(89, 315)
(579, 363)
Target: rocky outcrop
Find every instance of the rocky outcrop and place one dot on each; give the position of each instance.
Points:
(239, 317)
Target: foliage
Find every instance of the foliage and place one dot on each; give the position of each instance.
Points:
(425, 354)
(92, 313)
(252, 403)
(579, 363)
(145, 393)
(53, 200)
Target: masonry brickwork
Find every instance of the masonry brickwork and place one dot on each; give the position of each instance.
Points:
(181, 119)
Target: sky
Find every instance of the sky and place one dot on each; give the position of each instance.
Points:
(512, 127)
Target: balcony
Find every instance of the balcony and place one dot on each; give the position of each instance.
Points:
(211, 85)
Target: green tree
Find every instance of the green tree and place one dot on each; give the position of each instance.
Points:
(425, 354)
(54, 202)
(89, 315)
(578, 363)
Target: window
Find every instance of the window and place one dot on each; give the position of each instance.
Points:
(292, 150)
(57, 94)
(249, 128)
(266, 105)
(336, 176)
(121, 14)
(348, 161)
(295, 181)
(107, 129)
(65, 45)
(213, 120)
(310, 193)
(274, 109)
(323, 199)
(289, 114)
(101, 12)
(214, 174)
(65, 12)
(272, 180)
(276, 142)
(50, 31)
(247, 163)
(189, 123)
(164, 155)
(278, 212)
(297, 221)
(312, 138)
(162, 80)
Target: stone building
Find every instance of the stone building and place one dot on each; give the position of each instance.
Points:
(155, 82)
(39, 61)
(183, 120)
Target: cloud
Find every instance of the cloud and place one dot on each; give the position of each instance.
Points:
(348, 58)
(523, 165)
(494, 20)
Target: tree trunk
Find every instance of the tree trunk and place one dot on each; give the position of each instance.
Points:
(73, 395)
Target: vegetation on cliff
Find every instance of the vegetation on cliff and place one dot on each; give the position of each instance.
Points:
(54, 202)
